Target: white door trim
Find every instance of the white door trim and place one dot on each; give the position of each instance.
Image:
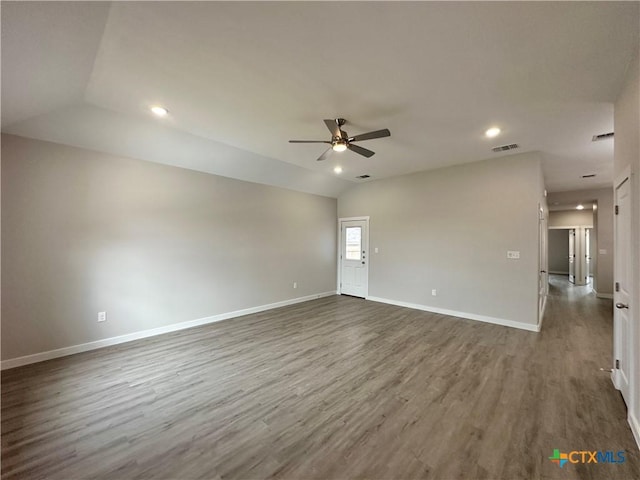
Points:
(616, 376)
(543, 263)
(339, 266)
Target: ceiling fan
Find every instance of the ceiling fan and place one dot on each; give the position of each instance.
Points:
(341, 141)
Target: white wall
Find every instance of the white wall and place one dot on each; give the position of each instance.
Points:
(627, 155)
(152, 245)
(449, 230)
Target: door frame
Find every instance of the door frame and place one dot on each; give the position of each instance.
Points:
(339, 260)
(572, 254)
(587, 252)
(543, 262)
(625, 176)
(576, 227)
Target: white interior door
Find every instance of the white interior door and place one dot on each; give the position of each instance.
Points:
(354, 257)
(543, 277)
(579, 258)
(621, 294)
(587, 254)
(572, 256)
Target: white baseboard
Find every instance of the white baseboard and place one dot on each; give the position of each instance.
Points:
(615, 379)
(84, 347)
(635, 427)
(453, 313)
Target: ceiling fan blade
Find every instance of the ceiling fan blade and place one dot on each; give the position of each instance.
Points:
(324, 156)
(308, 141)
(371, 135)
(333, 127)
(362, 151)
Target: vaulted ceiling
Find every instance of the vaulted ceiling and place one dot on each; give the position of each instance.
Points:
(242, 78)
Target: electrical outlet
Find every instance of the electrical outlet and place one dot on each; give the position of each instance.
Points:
(102, 316)
(434, 292)
(295, 284)
(376, 250)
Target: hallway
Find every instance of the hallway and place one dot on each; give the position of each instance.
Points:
(587, 413)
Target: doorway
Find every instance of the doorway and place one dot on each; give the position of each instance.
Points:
(543, 263)
(572, 255)
(579, 246)
(353, 261)
(587, 254)
(559, 251)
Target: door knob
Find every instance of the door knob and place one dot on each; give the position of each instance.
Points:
(621, 305)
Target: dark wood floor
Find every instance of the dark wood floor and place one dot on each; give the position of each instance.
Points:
(333, 388)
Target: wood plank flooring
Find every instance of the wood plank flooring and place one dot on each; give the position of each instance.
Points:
(333, 388)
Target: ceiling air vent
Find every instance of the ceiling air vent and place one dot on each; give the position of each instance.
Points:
(504, 148)
(602, 136)
(591, 175)
(362, 177)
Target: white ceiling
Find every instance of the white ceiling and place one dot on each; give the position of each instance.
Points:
(242, 78)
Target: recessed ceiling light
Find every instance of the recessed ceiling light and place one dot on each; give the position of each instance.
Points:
(492, 132)
(338, 169)
(580, 207)
(159, 111)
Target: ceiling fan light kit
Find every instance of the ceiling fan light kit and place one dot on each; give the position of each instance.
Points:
(339, 146)
(341, 141)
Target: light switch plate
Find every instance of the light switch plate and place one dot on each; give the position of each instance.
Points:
(513, 254)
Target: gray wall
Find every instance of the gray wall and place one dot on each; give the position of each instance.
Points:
(602, 228)
(150, 244)
(559, 251)
(450, 229)
(571, 218)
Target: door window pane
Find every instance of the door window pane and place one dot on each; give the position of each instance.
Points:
(353, 236)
